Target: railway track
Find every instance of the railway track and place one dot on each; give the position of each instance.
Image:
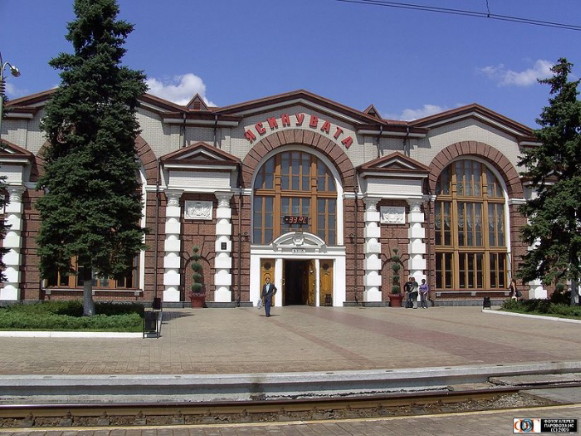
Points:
(261, 411)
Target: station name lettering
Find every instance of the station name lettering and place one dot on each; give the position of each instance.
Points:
(298, 120)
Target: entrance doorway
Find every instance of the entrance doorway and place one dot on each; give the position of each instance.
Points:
(299, 283)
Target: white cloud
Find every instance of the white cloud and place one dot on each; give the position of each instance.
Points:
(414, 114)
(505, 77)
(180, 89)
(13, 91)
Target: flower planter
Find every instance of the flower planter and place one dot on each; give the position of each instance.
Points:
(198, 300)
(395, 300)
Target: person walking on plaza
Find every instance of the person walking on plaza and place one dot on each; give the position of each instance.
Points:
(515, 294)
(268, 290)
(411, 289)
(424, 289)
(407, 289)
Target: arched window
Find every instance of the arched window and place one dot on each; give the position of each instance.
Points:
(470, 229)
(294, 184)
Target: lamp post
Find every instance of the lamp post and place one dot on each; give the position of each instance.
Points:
(15, 72)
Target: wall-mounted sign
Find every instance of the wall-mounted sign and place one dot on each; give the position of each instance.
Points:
(392, 215)
(298, 120)
(293, 219)
(198, 210)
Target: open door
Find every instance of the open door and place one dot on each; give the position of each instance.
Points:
(299, 282)
(326, 282)
(311, 283)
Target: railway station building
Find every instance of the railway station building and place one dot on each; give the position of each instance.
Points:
(313, 194)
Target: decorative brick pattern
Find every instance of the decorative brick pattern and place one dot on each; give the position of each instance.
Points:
(299, 137)
(483, 151)
(148, 160)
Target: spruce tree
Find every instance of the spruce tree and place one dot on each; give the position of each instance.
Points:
(554, 171)
(91, 210)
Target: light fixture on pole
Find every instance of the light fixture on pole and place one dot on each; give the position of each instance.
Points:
(15, 72)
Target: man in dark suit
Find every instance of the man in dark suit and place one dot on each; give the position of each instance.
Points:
(268, 290)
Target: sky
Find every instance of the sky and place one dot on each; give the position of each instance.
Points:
(408, 63)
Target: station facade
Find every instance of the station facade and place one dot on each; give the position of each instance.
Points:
(313, 194)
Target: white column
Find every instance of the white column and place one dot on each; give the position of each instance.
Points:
(417, 247)
(13, 241)
(172, 247)
(372, 265)
(536, 288)
(223, 260)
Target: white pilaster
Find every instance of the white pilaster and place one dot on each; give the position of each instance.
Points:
(372, 282)
(172, 247)
(13, 241)
(536, 288)
(223, 260)
(417, 247)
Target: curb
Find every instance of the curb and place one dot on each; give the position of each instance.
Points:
(524, 315)
(72, 334)
(199, 388)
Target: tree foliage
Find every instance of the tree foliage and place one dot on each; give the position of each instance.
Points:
(92, 204)
(554, 172)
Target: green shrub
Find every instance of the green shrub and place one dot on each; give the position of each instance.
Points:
(542, 307)
(68, 315)
(561, 295)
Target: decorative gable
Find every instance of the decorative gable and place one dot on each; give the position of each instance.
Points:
(474, 111)
(394, 165)
(13, 153)
(200, 155)
(200, 168)
(15, 161)
(197, 104)
(395, 176)
(372, 111)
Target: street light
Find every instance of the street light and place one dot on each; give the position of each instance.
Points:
(15, 72)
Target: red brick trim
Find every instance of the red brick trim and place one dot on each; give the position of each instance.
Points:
(300, 137)
(148, 160)
(484, 151)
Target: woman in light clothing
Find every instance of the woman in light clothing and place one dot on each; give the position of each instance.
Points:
(424, 289)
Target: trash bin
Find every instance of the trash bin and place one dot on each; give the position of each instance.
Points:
(486, 304)
(150, 323)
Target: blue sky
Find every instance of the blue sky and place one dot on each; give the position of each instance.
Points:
(407, 63)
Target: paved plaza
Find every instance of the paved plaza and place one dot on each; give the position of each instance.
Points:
(303, 339)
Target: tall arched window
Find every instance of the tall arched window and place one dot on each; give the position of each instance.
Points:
(470, 229)
(295, 184)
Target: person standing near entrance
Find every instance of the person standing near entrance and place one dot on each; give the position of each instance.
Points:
(268, 290)
(424, 290)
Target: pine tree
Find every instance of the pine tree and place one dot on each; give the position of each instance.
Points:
(92, 206)
(554, 171)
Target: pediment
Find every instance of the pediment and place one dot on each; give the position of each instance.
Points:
(199, 155)
(308, 100)
(299, 242)
(480, 113)
(394, 164)
(372, 111)
(197, 103)
(11, 153)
